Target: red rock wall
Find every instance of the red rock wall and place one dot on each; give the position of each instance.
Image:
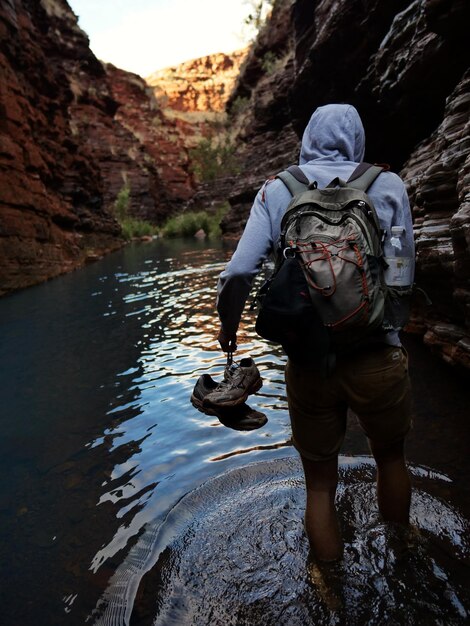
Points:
(51, 211)
(202, 84)
(71, 135)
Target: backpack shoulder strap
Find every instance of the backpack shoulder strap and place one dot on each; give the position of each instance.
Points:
(364, 175)
(294, 179)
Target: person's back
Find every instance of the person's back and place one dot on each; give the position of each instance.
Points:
(373, 382)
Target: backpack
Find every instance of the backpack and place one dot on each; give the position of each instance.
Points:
(327, 294)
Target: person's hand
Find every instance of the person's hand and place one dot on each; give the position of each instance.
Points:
(228, 343)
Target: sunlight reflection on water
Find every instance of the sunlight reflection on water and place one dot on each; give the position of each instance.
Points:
(169, 368)
(106, 359)
(180, 345)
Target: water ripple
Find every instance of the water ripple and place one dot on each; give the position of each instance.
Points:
(248, 564)
(99, 443)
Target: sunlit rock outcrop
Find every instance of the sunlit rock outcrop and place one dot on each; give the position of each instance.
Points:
(193, 96)
(202, 84)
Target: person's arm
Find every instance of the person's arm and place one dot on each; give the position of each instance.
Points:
(407, 221)
(235, 281)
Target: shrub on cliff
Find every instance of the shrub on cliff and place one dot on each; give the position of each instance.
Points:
(121, 204)
(189, 223)
(239, 106)
(270, 62)
(131, 227)
(213, 158)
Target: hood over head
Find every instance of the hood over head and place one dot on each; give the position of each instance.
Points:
(334, 133)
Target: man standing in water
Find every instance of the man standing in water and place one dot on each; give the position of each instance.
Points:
(372, 381)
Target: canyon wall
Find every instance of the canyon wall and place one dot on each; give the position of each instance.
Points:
(72, 134)
(202, 84)
(404, 65)
(51, 211)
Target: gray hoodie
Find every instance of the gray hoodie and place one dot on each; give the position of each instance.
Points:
(333, 144)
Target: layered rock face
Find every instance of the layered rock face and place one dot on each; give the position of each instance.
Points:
(438, 179)
(403, 65)
(51, 209)
(72, 134)
(154, 160)
(202, 84)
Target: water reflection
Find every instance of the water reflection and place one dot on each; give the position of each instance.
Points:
(254, 556)
(99, 441)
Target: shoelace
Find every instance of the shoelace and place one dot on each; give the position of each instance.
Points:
(224, 384)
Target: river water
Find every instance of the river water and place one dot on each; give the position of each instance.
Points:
(122, 504)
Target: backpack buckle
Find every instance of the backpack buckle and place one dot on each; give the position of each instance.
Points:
(289, 252)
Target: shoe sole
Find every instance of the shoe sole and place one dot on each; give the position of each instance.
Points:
(245, 418)
(198, 404)
(230, 403)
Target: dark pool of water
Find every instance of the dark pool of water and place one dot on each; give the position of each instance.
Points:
(106, 513)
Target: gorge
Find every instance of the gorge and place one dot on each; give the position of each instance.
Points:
(75, 131)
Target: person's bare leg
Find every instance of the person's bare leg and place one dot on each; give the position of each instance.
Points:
(321, 521)
(393, 482)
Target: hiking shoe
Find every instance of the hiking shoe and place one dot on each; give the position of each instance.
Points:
(205, 384)
(240, 417)
(240, 381)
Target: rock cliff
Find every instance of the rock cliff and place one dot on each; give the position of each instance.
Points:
(193, 94)
(52, 213)
(202, 84)
(72, 133)
(403, 65)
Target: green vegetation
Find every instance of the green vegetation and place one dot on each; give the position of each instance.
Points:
(187, 224)
(212, 158)
(269, 62)
(131, 226)
(258, 13)
(121, 204)
(239, 105)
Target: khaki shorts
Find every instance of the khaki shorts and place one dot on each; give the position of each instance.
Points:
(374, 384)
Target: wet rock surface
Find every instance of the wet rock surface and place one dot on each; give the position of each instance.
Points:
(437, 176)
